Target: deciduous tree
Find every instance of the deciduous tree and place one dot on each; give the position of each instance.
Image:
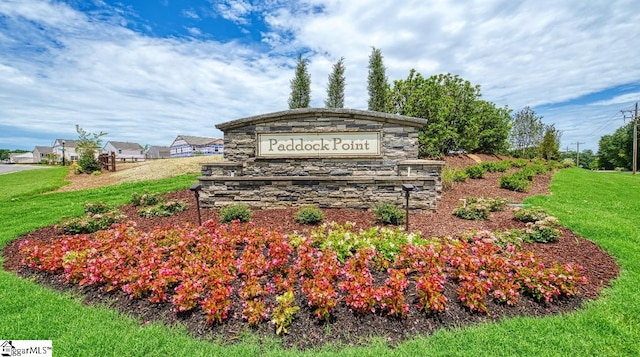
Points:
(616, 150)
(457, 119)
(494, 124)
(527, 130)
(87, 147)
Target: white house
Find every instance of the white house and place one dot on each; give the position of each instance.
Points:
(66, 148)
(43, 154)
(185, 145)
(23, 158)
(124, 151)
(158, 152)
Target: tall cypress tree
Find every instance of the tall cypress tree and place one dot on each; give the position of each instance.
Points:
(378, 87)
(335, 87)
(300, 86)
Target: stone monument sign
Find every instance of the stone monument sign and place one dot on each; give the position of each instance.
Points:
(332, 158)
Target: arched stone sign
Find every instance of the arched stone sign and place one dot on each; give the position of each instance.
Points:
(332, 158)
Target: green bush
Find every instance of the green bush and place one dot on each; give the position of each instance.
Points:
(495, 204)
(91, 222)
(389, 214)
(164, 209)
(543, 231)
(447, 178)
(475, 171)
(513, 236)
(460, 176)
(451, 175)
(345, 240)
(496, 166)
(473, 211)
(528, 173)
(519, 163)
(89, 164)
(144, 199)
(515, 182)
(238, 212)
(530, 214)
(309, 215)
(540, 169)
(97, 207)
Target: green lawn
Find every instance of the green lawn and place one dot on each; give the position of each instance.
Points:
(602, 207)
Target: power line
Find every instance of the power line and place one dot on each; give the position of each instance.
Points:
(604, 125)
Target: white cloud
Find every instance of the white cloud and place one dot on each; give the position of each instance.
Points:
(235, 10)
(618, 100)
(191, 14)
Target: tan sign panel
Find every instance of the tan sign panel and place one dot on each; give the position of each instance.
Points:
(319, 144)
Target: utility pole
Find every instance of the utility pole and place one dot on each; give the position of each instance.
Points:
(635, 136)
(577, 153)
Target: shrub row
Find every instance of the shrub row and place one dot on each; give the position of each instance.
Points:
(386, 213)
(520, 181)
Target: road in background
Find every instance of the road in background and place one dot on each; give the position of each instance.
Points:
(9, 168)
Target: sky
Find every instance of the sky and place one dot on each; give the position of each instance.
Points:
(147, 71)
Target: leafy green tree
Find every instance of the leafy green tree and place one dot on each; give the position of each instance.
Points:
(4, 154)
(335, 88)
(587, 158)
(300, 85)
(616, 150)
(87, 147)
(494, 126)
(549, 148)
(527, 131)
(377, 82)
(457, 118)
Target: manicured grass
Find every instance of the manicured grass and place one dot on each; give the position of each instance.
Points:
(24, 213)
(599, 206)
(30, 182)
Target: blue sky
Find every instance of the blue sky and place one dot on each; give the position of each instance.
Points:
(149, 70)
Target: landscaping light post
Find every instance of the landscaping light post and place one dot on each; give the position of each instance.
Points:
(196, 190)
(63, 153)
(407, 188)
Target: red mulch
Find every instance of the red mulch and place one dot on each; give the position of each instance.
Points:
(345, 327)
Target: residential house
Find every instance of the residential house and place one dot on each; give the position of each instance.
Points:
(43, 154)
(158, 152)
(67, 148)
(23, 158)
(124, 151)
(184, 146)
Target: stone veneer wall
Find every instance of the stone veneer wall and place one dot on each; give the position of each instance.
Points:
(329, 182)
(399, 142)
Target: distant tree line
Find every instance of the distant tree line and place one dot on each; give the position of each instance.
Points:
(616, 150)
(4, 153)
(459, 120)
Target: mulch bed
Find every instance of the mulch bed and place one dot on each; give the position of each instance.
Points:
(345, 327)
